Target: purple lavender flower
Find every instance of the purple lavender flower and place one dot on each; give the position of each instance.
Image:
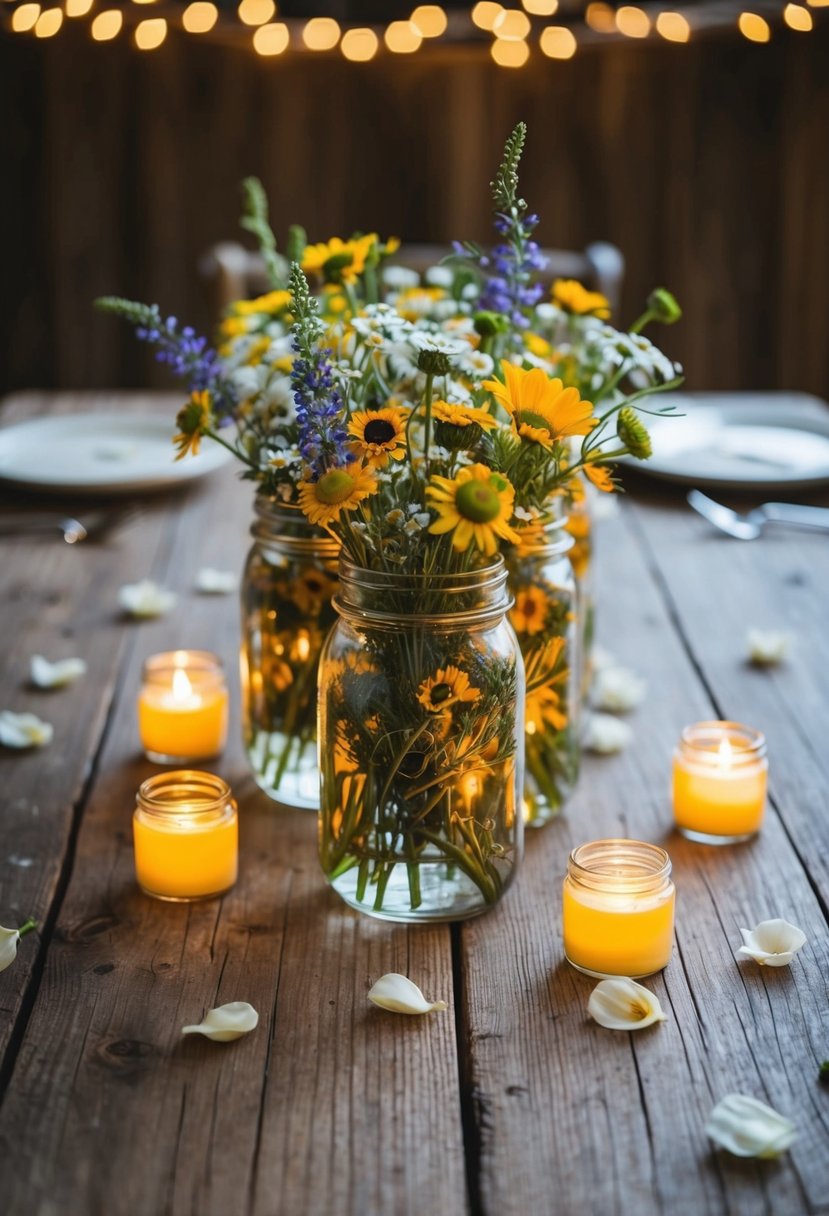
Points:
(190, 357)
(319, 405)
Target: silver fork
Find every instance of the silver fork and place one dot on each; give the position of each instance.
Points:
(95, 526)
(750, 526)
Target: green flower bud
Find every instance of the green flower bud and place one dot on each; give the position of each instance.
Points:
(297, 240)
(434, 363)
(335, 265)
(488, 324)
(663, 306)
(453, 437)
(633, 433)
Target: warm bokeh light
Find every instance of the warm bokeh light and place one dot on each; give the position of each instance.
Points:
(632, 22)
(541, 8)
(359, 45)
(143, 1)
(321, 34)
(600, 17)
(673, 26)
(78, 8)
(511, 25)
(558, 42)
(107, 25)
(429, 20)
(48, 23)
(199, 17)
(818, 3)
(271, 39)
(753, 27)
(486, 13)
(402, 38)
(510, 54)
(25, 17)
(150, 34)
(797, 17)
(256, 12)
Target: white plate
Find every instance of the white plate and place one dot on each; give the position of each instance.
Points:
(741, 440)
(100, 453)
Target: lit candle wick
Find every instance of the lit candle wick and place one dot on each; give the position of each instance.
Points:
(182, 688)
(724, 754)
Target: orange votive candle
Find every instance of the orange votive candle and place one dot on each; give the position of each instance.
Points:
(186, 836)
(618, 911)
(182, 707)
(720, 774)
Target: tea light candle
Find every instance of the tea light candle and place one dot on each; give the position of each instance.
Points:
(185, 832)
(182, 707)
(618, 908)
(720, 773)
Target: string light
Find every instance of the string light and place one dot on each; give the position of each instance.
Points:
(24, 18)
(107, 25)
(541, 8)
(673, 26)
(256, 12)
(359, 45)
(402, 38)
(753, 27)
(632, 22)
(511, 26)
(271, 39)
(600, 17)
(797, 17)
(78, 8)
(509, 54)
(48, 23)
(150, 34)
(199, 17)
(486, 13)
(429, 20)
(321, 34)
(818, 3)
(558, 42)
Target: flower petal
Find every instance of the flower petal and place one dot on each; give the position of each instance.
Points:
(24, 730)
(226, 1022)
(617, 689)
(216, 582)
(8, 947)
(748, 1128)
(605, 734)
(399, 995)
(146, 599)
(772, 943)
(622, 1004)
(767, 647)
(55, 675)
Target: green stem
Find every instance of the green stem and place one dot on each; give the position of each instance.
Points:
(427, 402)
(27, 927)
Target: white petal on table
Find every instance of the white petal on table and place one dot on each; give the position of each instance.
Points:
(772, 943)
(622, 1004)
(749, 1128)
(617, 690)
(605, 734)
(398, 994)
(216, 582)
(146, 599)
(8, 947)
(767, 647)
(55, 675)
(24, 730)
(226, 1022)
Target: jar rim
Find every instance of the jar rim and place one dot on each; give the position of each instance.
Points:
(620, 865)
(703, 741)
(424, 597)
(184, 794)
(197, 660)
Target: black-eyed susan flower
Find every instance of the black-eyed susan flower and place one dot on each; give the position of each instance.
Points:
(599, 475)
(457, 414)
(446, 687)
(192, 421)
(475, 506)
(336, 491)
(529, 612)
(542, 409)
(379, 435)
(337, 260)
(573, 297)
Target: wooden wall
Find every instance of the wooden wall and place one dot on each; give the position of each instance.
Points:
(706, 163)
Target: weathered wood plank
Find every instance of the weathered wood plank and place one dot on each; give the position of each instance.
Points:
(330, 1106)
(575, 1118)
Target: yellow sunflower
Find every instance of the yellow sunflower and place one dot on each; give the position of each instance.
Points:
(476, 507)
(273, 302)
(446, 687)
(338, 260)
(379, 435)
(529, 612)
(337, 490)
(541, 408)
(600, 476)
(543, 708)
(573, 297)
(537, 345)
(192, 421)
(462, 415)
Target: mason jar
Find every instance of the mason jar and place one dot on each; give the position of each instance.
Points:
(288, 581)
(421, 743)
(545, 617)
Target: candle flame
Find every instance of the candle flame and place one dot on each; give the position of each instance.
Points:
(724, 753)
(182, 688)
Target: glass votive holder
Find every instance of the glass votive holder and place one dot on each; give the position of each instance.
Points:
(618, 909)
(182, 707)
(186, 836)
(720, 774)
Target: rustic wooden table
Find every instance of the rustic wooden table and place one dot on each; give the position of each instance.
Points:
(514, 1101)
